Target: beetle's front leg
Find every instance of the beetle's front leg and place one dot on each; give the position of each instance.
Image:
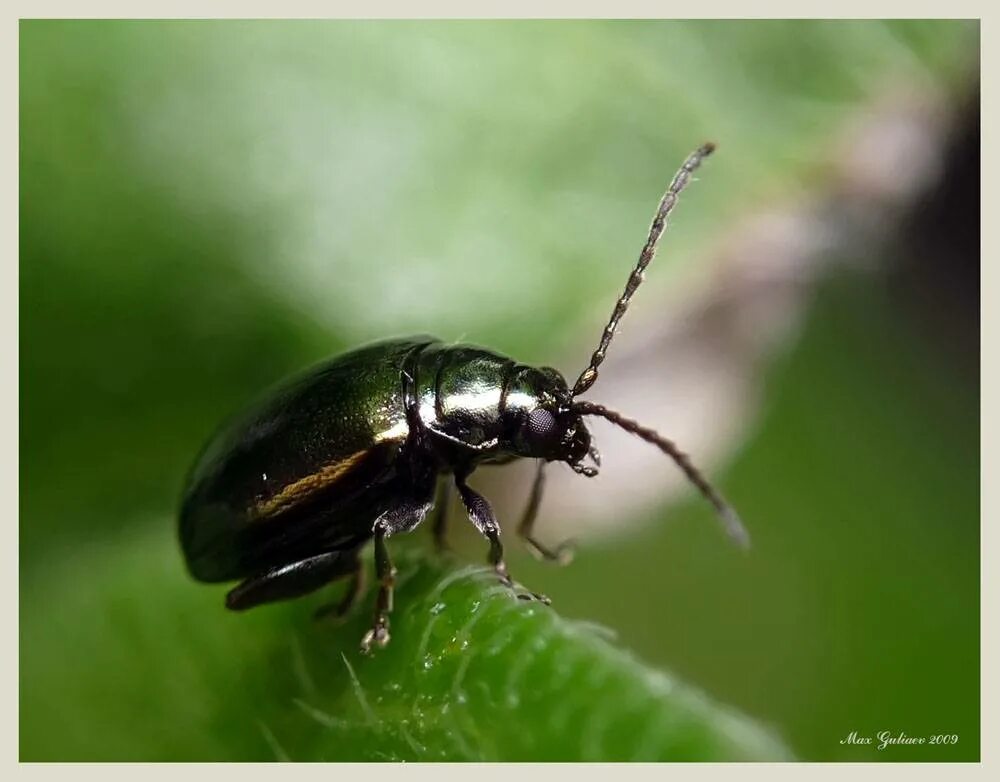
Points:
(563, 553)
(484, 519)
(402, 518)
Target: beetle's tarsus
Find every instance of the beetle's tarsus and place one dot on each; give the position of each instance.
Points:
(379, 633)
(561, 555)
(498, 562)
(377, 636)
(500, 568)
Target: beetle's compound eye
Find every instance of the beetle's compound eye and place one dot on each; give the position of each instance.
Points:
(543, 431)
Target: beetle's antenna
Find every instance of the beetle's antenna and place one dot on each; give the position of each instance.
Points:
(730, 520)
(667, 203)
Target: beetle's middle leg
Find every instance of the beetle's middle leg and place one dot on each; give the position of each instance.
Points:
(484, 519)
(401, 518)
(355, 587)
(440, 526)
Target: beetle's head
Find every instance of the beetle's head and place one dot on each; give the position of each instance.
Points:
(547, 427)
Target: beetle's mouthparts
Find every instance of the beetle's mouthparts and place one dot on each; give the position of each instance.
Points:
(581, 469)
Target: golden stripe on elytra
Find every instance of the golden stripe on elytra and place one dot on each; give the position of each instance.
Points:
(305, 487)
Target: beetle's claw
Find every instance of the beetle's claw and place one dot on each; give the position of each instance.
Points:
(500, 568)
(377, 636)
(565, 552)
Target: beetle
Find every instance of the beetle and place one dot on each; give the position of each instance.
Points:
(354, 450)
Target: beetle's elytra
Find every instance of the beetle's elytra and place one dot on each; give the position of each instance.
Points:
(284, 498)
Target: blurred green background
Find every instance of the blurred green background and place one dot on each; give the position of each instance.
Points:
(207, 206)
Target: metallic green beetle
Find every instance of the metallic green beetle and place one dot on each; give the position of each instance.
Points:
(286, 496)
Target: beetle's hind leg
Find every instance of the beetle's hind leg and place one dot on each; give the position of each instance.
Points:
(402, 518)
(284, 582)
(563, 553)
(484, 519)
(355, 587)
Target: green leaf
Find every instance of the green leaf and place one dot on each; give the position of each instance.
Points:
(473, 672)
